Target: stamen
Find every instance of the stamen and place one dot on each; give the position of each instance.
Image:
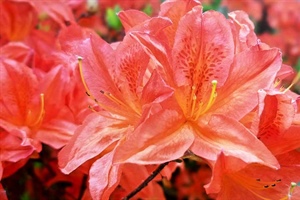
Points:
(211, 100)
(42, 111)
(213, 95)
(295, 80)
(106, 94)
(112, 97)
(88, 92)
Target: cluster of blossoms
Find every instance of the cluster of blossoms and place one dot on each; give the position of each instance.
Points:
(183, 84)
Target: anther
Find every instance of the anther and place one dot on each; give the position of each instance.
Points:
(266, 186)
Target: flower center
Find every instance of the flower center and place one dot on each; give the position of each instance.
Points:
(199, 107)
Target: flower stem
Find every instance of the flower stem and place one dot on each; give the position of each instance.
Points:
(145, 183)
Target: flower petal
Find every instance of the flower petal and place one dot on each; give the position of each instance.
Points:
(95, 135)
(159, 138)
(203, 49)
(231, 137)
(104, 177)
(131, 18)
(174, 10)
(249, 73)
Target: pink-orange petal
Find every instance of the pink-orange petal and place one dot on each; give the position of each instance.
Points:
(225, 134)
(18, 84)
(17, 51)
(174, 10)
(131, 18)
(276, 117)
(156, 90)
(249, 73)
(159, 138)
(104, 177)
(95, 135)
(203, 49)
(243, 30)
(158, 51)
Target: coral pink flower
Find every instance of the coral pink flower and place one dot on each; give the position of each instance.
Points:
(29, 112)
(213, 87)
(125, 93)
(234, 179)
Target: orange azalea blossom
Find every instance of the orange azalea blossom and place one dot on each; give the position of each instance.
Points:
(276, 124)
(234, 179)
(215, 86)
(124, 91)
(29, 113)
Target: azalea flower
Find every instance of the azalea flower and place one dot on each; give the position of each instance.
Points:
(30, 115)
(276, 124)
(125, 92)
(234, 179)
(214, 89)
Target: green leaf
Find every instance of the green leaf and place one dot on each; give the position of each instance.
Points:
(112, 20)
(148, 9)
